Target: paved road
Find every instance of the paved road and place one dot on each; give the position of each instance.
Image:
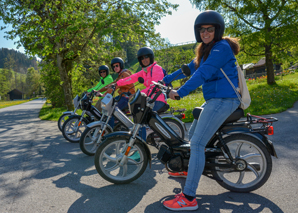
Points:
(41, 172)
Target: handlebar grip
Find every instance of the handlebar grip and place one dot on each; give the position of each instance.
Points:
(152, 91)
(156, 96)
(177, 97)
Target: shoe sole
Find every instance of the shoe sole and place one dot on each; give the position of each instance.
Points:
(189, 208)
(183, 176)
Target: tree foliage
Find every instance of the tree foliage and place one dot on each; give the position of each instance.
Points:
(60, 31)
(265, 28)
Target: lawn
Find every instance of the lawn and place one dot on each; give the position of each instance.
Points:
(4, 104)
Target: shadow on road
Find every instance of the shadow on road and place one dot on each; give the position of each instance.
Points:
(232, 202)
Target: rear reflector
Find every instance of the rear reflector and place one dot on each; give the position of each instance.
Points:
(183, 116)
(270, 130)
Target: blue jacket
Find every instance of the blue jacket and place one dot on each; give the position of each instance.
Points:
(209, 75)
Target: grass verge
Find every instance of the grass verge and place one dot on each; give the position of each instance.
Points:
(4, 104)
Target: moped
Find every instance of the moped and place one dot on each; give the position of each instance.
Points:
(65, 115)
(238, 156)
(96, 131)
(74, 126)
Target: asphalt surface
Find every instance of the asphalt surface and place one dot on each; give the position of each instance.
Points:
(41, 172)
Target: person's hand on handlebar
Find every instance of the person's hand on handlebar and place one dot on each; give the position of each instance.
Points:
(173, 94)
(161, 82)
(112, 84)
(99, 94)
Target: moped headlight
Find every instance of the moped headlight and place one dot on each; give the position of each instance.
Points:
(103, 105)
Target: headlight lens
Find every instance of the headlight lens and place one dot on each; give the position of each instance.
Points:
(103, 106)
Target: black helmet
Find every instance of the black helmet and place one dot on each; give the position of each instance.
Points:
(145, 51)
(213, 18)
(117, 60)
(104, 67)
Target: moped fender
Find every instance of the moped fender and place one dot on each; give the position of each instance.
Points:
(68, 112)
(177, 119)
(139, 140)
(78, 116)
(99, 123)
(257, 135)
(95, 123)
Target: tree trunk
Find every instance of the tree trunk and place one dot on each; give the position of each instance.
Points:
(269, 66)
(64, 67)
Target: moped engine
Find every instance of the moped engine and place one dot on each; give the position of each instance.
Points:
(173, 162)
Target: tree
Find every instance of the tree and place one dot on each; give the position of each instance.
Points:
(5, 75)
(59, 31)
(265, 28)
(32, 81)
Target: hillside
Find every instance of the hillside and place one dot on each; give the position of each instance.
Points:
(15, 60)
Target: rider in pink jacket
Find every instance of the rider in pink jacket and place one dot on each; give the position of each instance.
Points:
(151, 71)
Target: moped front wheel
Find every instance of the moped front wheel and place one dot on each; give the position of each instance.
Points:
(253, 164)
(62, 119)
(72, 128)
(88, 140)
(108, 157)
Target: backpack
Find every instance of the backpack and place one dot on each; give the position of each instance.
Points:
(165, 73)
(244, 96)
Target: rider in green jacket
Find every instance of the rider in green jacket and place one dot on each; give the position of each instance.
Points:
(105, 75)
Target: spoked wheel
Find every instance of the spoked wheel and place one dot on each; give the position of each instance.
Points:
(72, 129)
(108, 157)
(62, 119)
(253, 164)
(88, 140)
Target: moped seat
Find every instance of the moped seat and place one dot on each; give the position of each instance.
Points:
(235, 116)
(163, 109)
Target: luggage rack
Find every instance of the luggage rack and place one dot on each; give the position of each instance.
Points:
(253, 119)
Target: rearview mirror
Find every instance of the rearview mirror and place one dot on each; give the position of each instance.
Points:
(141, 80)
(102, 81)
(185, 70)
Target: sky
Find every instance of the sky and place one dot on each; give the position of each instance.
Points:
(176, 28)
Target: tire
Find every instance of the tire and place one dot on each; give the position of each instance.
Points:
(89, 138)
(153, 138)
(69, 130)
(62, 119)
(108, 155)
(258, 160)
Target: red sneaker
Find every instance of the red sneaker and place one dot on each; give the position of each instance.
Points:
(178, 174)
(180, 203)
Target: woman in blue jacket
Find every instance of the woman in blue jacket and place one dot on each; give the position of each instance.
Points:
(214, 52)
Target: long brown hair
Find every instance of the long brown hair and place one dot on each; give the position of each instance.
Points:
(203, 50)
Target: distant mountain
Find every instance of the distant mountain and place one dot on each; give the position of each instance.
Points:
(21, 61)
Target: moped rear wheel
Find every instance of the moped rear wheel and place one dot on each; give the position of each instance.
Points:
(71, 129)
(89, 138)
(109, 154)
(253, 168)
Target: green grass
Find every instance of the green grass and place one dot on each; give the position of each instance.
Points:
(266, 99)
(4, 104)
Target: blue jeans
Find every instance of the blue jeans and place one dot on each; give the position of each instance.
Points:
(157, 106)
(215, 112)
(122, 104)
